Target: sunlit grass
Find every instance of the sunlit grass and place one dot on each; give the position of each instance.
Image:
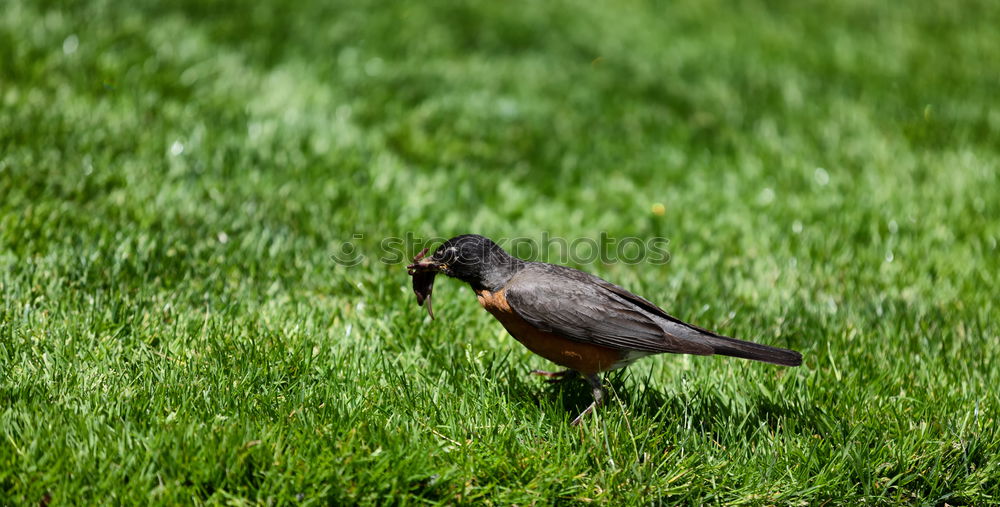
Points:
(176, 178)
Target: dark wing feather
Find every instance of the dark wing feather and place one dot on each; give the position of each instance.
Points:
(585, 308)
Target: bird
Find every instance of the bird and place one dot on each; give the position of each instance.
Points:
(572, 318)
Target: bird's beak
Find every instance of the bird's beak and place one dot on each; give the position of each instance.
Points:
(423, 271)
(423, 264)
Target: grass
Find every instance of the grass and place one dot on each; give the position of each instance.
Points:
(176, 177)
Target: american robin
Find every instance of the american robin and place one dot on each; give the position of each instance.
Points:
(572, 318)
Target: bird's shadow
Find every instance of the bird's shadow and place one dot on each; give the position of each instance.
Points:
(640, 399)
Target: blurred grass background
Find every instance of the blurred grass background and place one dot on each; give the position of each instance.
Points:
(175, 178)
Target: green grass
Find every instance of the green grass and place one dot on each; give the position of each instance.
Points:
(175, 177)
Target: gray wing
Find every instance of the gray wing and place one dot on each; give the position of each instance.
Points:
(588, 309)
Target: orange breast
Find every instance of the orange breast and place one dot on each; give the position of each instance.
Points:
(582, 357)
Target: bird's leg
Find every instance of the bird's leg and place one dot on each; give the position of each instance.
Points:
(598, 392)
(556, 376)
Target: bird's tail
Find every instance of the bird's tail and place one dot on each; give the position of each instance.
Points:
(749, 350)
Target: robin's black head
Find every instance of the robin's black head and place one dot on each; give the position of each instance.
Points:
(476, 260)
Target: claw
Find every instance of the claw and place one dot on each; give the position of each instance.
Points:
(598, 391)
(554, 377)
(579, 418)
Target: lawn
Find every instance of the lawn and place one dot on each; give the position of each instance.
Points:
(181, 181)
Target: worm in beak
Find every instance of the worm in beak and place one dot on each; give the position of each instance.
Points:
(423, 271)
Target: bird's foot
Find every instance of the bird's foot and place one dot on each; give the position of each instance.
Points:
(579, 418)
(598, 392)
(555, 376)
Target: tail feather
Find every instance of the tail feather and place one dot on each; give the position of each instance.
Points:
(748, 350)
